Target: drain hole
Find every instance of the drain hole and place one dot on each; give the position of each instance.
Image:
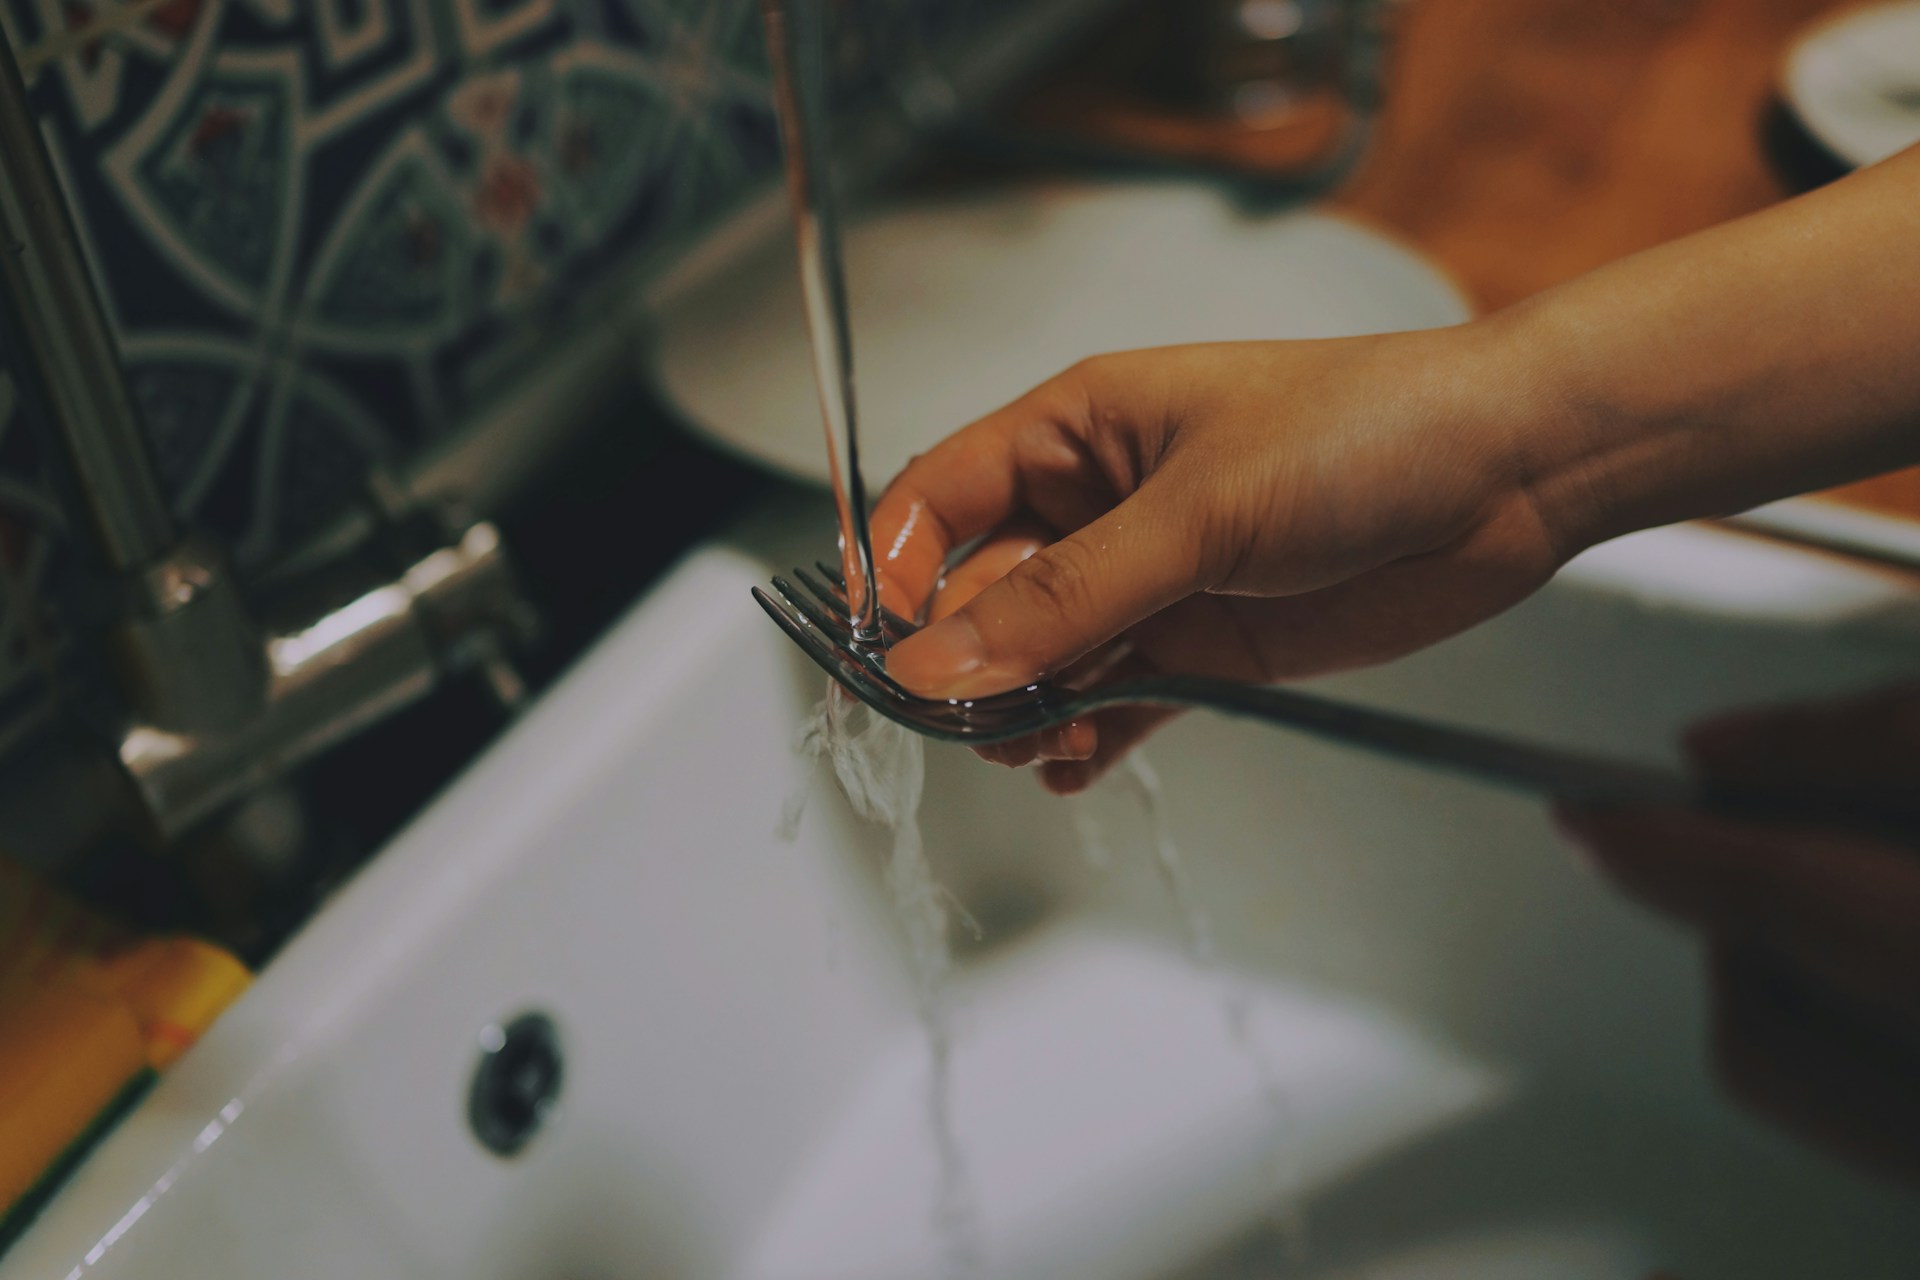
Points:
(516, 1084)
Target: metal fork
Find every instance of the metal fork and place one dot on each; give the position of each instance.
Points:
(814, 615)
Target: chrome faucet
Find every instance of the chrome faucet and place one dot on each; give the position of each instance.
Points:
(211, 702)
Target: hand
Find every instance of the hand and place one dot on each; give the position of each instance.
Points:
(1813, 935)
(1254, 511)
(1261, 510)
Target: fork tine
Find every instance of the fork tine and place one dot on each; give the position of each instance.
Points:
(840, 628)
(833, 575)
(836, 629)
(893, 622)
(825, 611)
(847, 670)
(798, 621)
(835, 604)
(836, 661)
(823, 651)
(796, 627)
(842, 631)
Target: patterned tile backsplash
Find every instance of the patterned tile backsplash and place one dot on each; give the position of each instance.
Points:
(319, 221)
(324, 224)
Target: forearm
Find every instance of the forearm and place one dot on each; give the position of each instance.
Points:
(1770, 356)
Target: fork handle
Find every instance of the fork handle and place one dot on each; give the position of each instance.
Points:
(1527, 766)
(1576, 776)
(1580, 777)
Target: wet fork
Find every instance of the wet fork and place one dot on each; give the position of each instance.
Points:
(814, 616)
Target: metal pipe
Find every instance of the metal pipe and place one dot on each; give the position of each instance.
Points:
(333, 675)
(56, 316)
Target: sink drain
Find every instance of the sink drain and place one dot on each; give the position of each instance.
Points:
(516, 1084)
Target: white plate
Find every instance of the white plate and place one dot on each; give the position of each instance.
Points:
(960, 305)
(1855, 82)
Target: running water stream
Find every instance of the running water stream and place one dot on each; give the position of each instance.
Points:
(881, 768)
(1286, 1218)
(879, 765)
(797, 49)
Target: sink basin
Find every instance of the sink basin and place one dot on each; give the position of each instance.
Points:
(1462, 1056)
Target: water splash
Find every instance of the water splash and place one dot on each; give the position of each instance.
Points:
(1139, 777)
(1087, 833)
(881, 768)
(1287, 1216)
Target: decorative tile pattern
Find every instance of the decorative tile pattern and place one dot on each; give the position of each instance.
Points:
(319, 223)
(32, 529)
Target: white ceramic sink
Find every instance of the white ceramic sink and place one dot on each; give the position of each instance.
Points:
(1487, 1066)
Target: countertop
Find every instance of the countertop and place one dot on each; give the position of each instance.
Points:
(1523, 142)
(1527, 141)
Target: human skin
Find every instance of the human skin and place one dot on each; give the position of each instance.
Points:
(1267, 510)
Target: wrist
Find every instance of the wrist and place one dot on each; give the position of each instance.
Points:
(1498, 395)
(1564, 445)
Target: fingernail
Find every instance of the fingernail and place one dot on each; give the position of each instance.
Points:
(941, 661)
(1074, 740)
(1066, 778)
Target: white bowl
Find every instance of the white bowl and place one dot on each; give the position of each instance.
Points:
(960, 305)
(1854, 81)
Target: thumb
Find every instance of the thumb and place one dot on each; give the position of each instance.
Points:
(1058, 604)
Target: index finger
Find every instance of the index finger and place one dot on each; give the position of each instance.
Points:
(1028, 457)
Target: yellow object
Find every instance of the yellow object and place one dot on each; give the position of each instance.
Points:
(67, 1055)
(176, 993)
(85, 1009)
